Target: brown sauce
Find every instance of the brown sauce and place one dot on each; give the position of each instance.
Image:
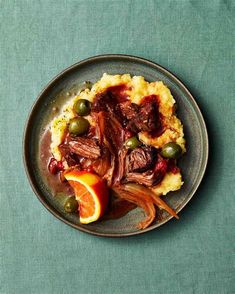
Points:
(118, 208)
(45, 155)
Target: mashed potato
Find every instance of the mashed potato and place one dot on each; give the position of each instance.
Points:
(138, 88)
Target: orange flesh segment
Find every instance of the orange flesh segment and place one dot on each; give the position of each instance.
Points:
(87, 203)
(91, 192)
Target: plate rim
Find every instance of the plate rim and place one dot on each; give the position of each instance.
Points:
(108, 57)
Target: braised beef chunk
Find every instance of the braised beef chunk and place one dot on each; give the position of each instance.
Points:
(147, 178)
(120, 167)
(147, 119)
(85, 147)
(110, 172)
(141, 159)
(111, 137)
(135, 118)
(109, 99)
(102, 164)
(70, 157)
(152, 176)
(114, 139)
(100, 125)
(104, 102)
(91, 133)
(142, 117)
(113, 132)
(128, 110)
(132, 127)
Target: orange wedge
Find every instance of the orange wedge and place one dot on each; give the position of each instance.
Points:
(91, 192)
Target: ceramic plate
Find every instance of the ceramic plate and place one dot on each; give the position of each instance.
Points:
(192, 164)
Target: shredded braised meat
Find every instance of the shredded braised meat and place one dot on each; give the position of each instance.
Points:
(102, 164)
(113, 132)
(120, 168)
(150, 177)
(70, 157)
(85, 147)
(148, 120)
(128, 110)
(109, 100)
(112, 135)
(104, 102)
(130, 173)
(141, 159)
(140, 118)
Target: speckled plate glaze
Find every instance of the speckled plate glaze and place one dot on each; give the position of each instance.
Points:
(193, 163)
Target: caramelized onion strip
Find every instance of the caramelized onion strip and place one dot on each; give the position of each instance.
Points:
(138, 189)
(147, 206)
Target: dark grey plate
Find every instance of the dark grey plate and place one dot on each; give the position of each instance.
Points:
(193, 163)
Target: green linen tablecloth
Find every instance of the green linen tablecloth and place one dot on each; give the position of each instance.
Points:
(193, 39)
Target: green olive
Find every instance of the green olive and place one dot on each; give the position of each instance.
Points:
(71, 205)
(78, 126)
(82, 107)
(171, 150)
(132, 143)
